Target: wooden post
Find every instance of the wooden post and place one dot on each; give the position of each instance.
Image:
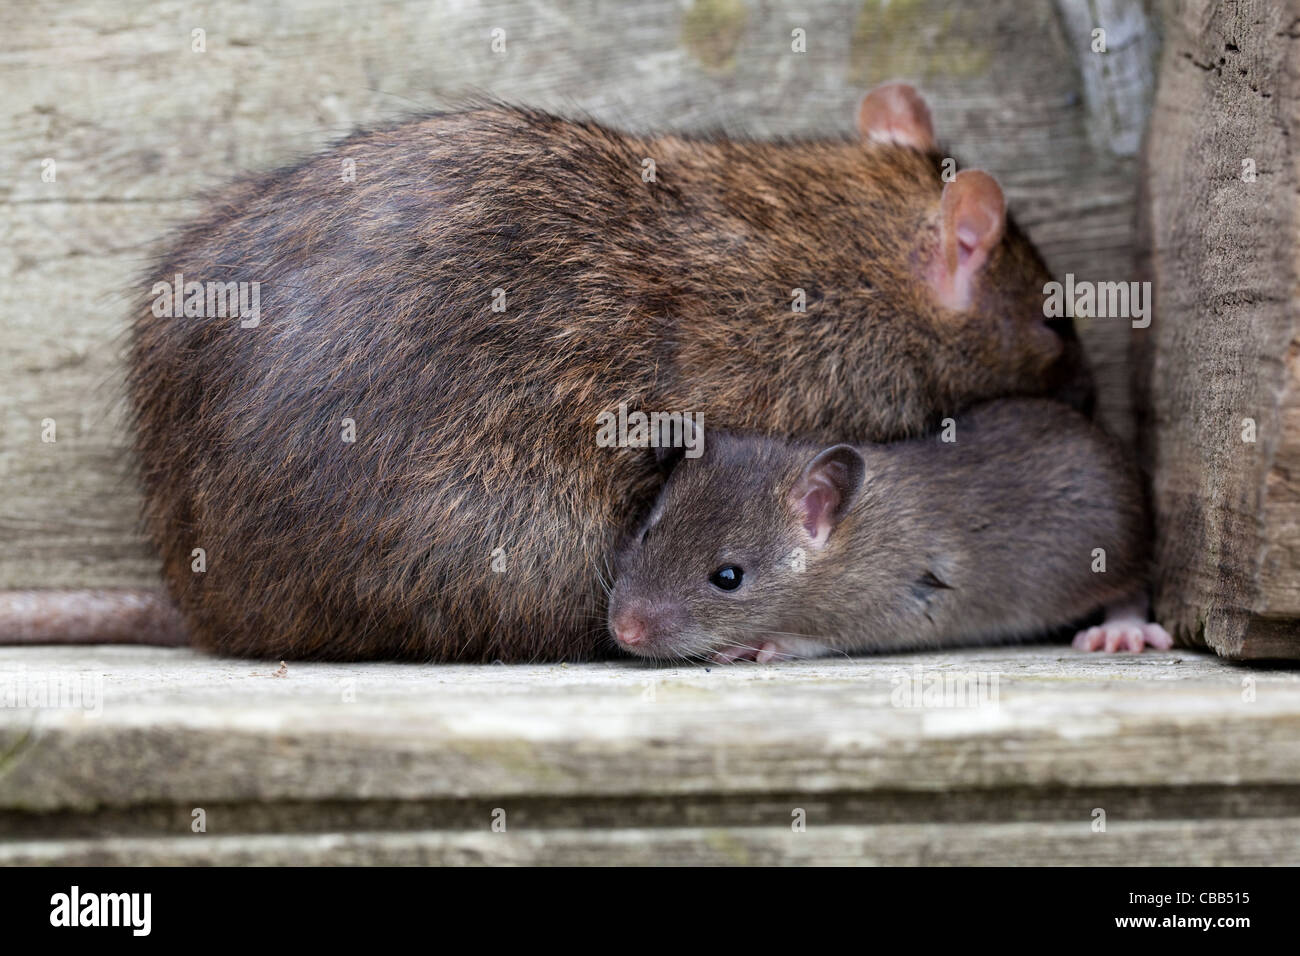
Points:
(1217, 368)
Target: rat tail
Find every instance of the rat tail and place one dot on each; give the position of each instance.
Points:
(85, 616)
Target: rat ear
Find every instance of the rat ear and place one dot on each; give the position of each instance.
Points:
(827, 488)
(896, 113)
(973, 219)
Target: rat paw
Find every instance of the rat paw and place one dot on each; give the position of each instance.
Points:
(768, 649)
(762, 652)
(1112, 636)
(733, 653)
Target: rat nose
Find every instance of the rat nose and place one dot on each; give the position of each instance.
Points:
(630, 630)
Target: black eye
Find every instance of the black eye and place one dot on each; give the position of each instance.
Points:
(727, 577)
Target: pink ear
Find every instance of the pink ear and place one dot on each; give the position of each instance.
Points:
(896, 113)
(826, 489)
(973, 216)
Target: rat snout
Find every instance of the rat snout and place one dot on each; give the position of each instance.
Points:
(630, 630)
(641, 627)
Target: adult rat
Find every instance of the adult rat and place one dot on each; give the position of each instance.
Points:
(1027, 521)
(393, 452)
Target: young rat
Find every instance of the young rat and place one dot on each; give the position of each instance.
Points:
(1028, 521)
(389, 451)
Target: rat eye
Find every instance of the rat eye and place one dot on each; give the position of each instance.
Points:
(727, 577)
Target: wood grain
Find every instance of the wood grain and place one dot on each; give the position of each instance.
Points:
(1219, 363)
(1192, 759)
(1146, 843)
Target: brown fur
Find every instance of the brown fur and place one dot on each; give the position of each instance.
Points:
(476, 429)
(987, 539)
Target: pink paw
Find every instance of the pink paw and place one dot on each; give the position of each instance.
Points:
(728, 655)
(1112, 636)
(763, 652)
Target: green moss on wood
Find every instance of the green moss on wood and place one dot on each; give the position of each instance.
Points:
(918, 39)
(711, 32)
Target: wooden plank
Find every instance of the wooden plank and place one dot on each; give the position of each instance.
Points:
(768, 809)
(1159, 843)
(1219, 362)
(138, 124)
(173, 727)
(1194, 761)
(68, 511)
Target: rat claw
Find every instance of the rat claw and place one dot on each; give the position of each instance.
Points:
(1157, 636)
(1115, 636)
(1088, 640)
(767, 652)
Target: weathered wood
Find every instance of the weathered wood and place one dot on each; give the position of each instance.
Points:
(1192, 759)
(173, 724)
(840, 808)
(1220, 359)
(1161, 843)
(138, 124)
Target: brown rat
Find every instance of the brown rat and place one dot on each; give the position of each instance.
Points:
(764, 548)
(393, 455)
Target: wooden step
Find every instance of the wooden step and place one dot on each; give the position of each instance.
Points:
(1191, 758)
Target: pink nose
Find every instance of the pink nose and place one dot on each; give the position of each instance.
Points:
(630, 631)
